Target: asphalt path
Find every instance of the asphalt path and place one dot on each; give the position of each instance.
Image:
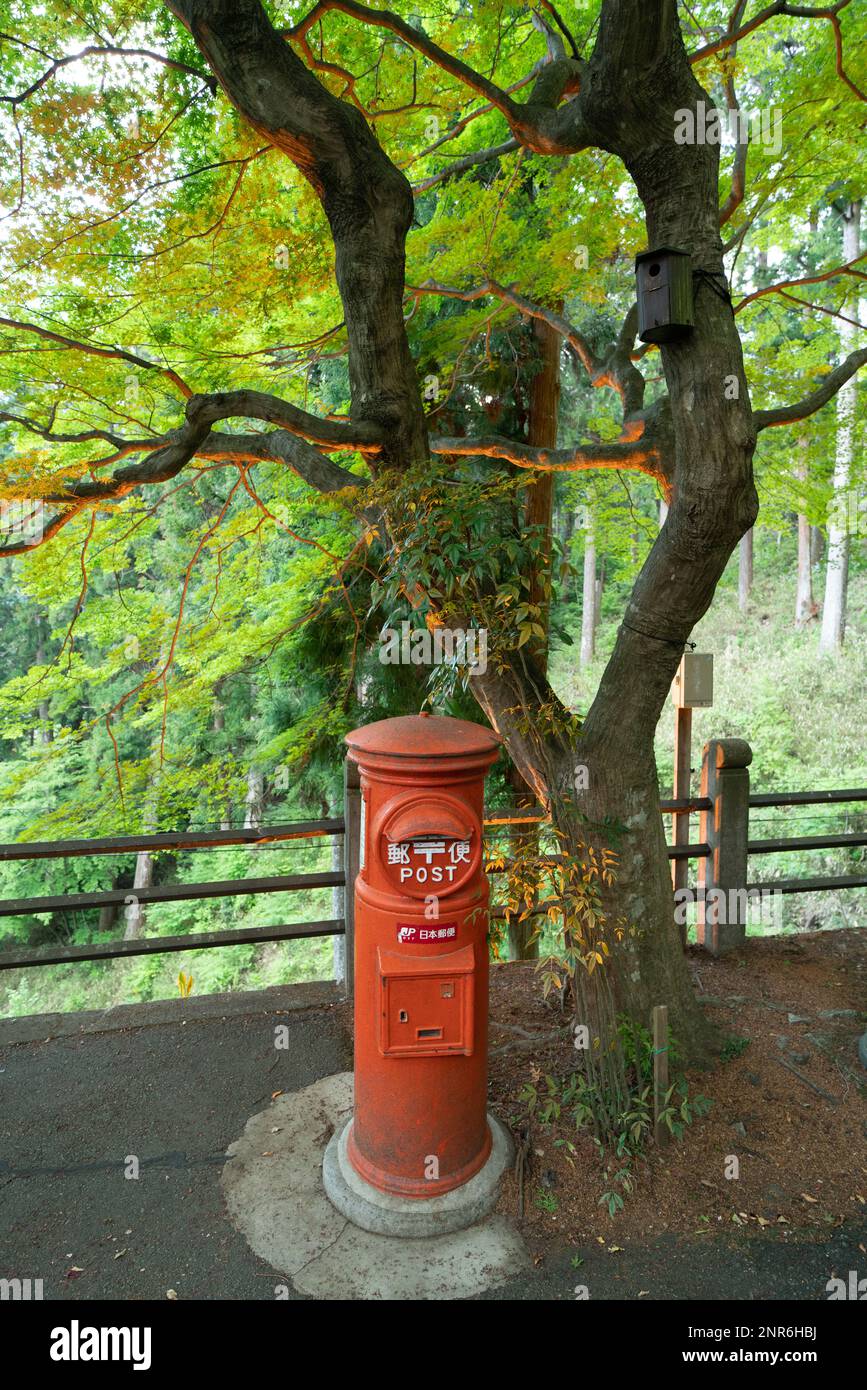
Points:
(163, 1090)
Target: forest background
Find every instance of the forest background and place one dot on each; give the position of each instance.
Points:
(196, 658)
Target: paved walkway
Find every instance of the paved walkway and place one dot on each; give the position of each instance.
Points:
(173, 1085)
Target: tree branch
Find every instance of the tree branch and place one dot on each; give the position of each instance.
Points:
(460, 126)
(48, 532)
(558, 20)
(535, 124)
(363, 435)
(639, 456)
(469, 161)
(365, 197)
(789, 414)
(739, 168)
(616, 370)
(100, 350)
(122, 446)
(96, 51)
(168, 455)
(795, 12)
(847, 269)
(281, 447)
(509, 295)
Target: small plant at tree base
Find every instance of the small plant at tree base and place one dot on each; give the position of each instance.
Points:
(611, 1199)
(677, 1114)
(549, 1099)
(733, 1047)
(546, 1101)
(637, 1045)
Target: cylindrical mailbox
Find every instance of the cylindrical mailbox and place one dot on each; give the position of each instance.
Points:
(420, 1126)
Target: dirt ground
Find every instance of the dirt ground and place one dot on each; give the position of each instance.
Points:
(790, 1106)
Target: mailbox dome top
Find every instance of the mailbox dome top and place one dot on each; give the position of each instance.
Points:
(424, 736)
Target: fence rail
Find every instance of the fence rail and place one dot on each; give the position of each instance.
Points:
(819, 798)
(722, 854)
(156, 945)
(173, 840)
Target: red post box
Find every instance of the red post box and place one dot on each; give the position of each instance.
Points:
(420, 1127)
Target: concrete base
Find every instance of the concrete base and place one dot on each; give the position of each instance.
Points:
(408, 1217)
(273, 1188)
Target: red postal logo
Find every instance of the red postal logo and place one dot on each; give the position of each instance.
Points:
(409, 933)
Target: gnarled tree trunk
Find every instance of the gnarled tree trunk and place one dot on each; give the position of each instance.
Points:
(697, 442)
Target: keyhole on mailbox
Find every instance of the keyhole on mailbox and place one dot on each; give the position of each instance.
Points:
(448, 991)
(403, 1016)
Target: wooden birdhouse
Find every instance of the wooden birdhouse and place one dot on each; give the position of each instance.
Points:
(664, 289)
(692, 687)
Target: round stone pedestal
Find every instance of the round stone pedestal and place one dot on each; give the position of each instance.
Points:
(273, 1187)
(414, 1217)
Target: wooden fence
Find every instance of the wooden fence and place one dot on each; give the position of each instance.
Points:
(722, 851)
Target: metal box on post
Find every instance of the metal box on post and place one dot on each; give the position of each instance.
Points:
(664, 290)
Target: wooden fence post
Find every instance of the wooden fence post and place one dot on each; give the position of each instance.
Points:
(682, 790)
(722, 874)
(351, 865)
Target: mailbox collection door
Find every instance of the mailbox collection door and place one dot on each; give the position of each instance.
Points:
(421, 956)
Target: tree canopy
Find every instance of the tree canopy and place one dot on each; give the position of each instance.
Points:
(251, 433)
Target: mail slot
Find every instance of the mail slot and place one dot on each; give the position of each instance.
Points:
(427, 1004)
(420, 1125)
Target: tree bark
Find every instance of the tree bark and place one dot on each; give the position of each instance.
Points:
(837, 569)
(218, 727)
(108, 916)
(135, 912)
(805, 608)
(44, 735)
(713, 499)
(745, 570)
(589, 593)
(255, 800)
(542, 433)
